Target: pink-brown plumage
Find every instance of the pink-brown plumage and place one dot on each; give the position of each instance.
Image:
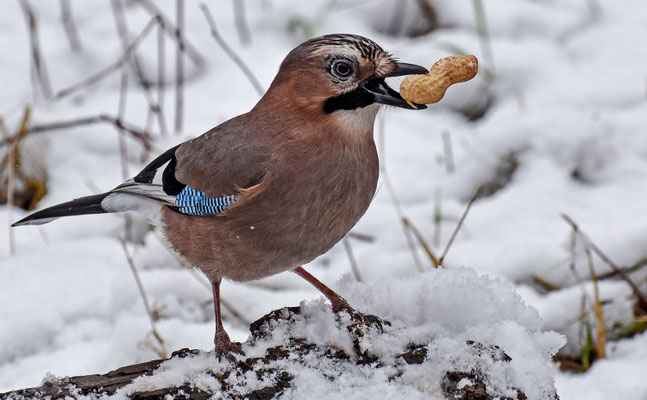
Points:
(322, 180)
(301, 165)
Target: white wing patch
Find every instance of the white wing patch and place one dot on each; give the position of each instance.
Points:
(153, 190)
(120, 202)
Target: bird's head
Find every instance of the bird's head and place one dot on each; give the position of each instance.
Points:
(341, 73)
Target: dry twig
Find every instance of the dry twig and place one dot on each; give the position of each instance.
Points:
(124, 37)
(228, 50)
(447, 150)
(171, 30)
(10, 181)
(354, 267)
(142, 136)
(161, 79)
(70, 26)
(394, 198)
(38, 64)
(627, 270)
(161, 350)
(241, 22)
(361, 236)
(112, 68)
(401, 217)
(179, 67)
(123, 150)
(154, 108)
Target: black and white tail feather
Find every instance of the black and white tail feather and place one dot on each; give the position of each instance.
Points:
(155, 186)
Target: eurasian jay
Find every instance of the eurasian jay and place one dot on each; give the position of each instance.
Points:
(271, 189)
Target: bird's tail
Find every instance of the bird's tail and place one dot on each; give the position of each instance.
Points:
(81, 206)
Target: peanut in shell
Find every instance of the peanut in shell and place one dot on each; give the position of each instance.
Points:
(430, 87)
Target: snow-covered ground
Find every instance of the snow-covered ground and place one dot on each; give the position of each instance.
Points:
(568, 119)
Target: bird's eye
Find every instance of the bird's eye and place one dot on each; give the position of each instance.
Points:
(342, 69)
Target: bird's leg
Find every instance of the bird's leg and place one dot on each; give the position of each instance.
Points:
(338, 302)
(224, 345)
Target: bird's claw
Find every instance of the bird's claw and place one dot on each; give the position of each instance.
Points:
(369, 320)
(225, 347)
(359, 318)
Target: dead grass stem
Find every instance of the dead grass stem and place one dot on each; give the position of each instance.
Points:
(597, 307)
(459, 225)
(160, 346)
(642, 301)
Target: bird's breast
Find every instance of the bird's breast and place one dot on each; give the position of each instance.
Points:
(308, 200)
(320, 193)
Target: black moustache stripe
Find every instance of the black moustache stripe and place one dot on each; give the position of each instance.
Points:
(358, 98)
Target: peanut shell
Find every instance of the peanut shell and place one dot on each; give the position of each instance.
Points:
(430, 87)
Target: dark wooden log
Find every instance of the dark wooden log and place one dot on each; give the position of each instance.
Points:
(296, 350)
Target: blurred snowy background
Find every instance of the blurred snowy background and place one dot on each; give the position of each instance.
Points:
(554, 124)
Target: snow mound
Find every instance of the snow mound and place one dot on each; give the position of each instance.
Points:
(445, 334)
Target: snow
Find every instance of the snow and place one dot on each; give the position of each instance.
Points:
(569, 106)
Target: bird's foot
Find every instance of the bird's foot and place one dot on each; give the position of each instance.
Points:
(341, 304)
(225, 347)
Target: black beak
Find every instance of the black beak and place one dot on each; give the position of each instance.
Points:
(385, 95)
(409, 69)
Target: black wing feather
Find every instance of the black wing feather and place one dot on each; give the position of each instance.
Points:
(81, 206)
(170, 184)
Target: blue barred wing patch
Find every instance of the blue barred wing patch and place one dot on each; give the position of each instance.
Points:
(195, 202)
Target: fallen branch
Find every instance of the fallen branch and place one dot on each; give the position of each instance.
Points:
(275, 368)
(106, 383)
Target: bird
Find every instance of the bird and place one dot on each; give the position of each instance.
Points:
(271, 189)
